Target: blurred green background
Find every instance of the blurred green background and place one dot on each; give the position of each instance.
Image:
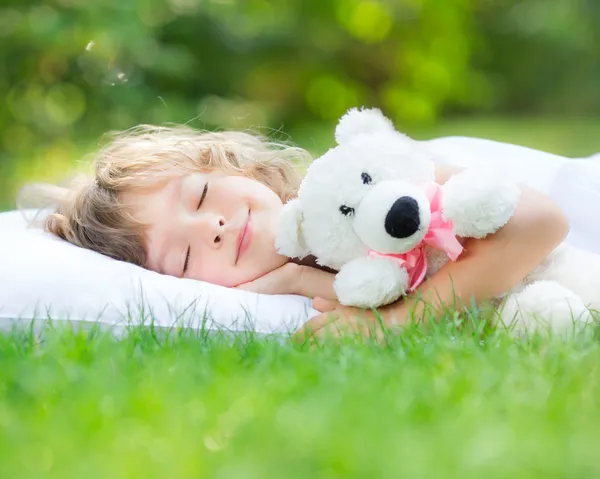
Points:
(523, 71)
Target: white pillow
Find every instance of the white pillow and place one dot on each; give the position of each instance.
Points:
(44, 278)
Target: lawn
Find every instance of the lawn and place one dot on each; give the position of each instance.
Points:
(571, 137)
(437, 403)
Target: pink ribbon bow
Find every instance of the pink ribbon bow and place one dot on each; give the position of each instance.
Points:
(440, 235)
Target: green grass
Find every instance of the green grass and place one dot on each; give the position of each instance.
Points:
(571, 137)
(438, 403)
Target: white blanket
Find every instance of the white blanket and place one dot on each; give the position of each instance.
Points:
(573, 183)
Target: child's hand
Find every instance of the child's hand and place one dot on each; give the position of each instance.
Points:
(283, 280)
(337, 320)
(292, 278)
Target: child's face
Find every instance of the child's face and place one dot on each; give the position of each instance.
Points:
(211, 227)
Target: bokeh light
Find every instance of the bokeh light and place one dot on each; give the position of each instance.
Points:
(74, 70)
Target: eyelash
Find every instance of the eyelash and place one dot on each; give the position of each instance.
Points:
(203, 196)
(187, 256)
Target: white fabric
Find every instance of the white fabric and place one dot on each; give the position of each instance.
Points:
(576, 189)
(537, 169)
(573, 183)
(42, 277)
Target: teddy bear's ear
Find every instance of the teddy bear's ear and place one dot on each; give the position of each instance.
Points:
(289, 240)
(357, 122)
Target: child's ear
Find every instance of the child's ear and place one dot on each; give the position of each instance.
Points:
(289, 240)
(358, 122)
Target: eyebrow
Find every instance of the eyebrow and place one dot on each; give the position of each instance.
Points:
(177, 187)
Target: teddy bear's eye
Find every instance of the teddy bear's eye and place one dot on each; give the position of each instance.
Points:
(346, 210)
(366, 178)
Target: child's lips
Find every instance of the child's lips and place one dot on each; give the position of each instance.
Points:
(244, 237)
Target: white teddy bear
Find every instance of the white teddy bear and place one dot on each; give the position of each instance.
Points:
(370, 209)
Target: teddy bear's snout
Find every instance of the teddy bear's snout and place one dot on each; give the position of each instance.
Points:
(403, 219)
(392, 217)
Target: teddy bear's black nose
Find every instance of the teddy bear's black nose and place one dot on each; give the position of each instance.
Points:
(403, 220)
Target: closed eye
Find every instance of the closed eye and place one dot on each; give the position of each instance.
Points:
(187, 260)
(203, 195)
(189, 250)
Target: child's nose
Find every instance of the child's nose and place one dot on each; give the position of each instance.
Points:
(212, 228)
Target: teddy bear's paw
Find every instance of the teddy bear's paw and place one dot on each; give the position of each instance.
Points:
(289, 240)
(544, 306)
(370, 282)
(479, 202)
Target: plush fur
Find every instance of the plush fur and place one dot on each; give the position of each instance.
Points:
(368, 194)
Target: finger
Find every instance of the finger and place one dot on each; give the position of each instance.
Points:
(258, 287)
(336, 331)
(316, 323)
(324, 305)
(356, 327)
(254, 287)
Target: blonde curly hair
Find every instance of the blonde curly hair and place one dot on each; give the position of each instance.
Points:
(91, 212)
